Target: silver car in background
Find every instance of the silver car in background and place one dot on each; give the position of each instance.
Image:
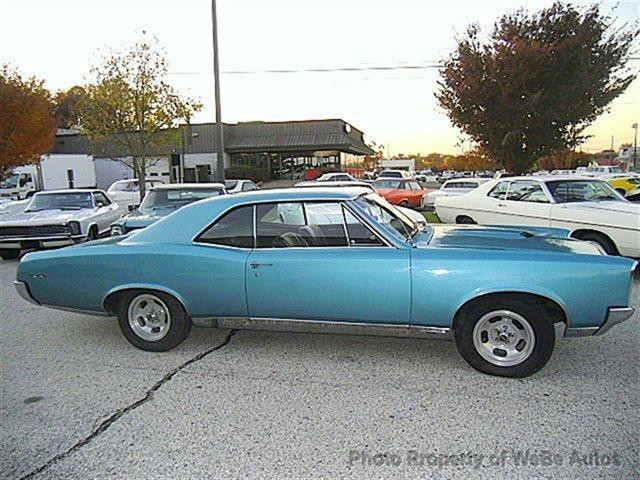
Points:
(57, 219)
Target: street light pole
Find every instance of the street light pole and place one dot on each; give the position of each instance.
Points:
(219, 165)
(635, 147)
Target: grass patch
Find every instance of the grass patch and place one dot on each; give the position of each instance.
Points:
(431, 217)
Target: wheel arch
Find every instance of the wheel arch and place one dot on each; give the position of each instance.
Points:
(109, 301)
(578, 232)
(552, 306)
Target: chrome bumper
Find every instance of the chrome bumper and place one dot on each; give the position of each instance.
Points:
(23, 291)
(615, 315)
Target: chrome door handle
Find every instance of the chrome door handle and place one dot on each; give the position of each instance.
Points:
(255, 265)
(502, 204)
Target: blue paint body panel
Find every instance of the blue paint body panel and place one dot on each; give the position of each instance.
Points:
(424, 283)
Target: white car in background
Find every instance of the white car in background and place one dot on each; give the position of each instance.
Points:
(451, 188)
(386, 174)
(236, 186)
(336, 177)
(57, 218)
(601, 171)
(126, 193)
(589, 208)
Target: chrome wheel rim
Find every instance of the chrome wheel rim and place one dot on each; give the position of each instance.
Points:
(504, 338)
(149, 317)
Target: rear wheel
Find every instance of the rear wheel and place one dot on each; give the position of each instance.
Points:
(404, 204)
(7, 254)
(463, 219)
(505, 337)
(153, 321)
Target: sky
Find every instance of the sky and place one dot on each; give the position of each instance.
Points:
(59, 41)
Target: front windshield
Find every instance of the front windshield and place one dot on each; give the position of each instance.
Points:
(388, 215)
(582, 191)
(10, 182)
(60, 201)
(124, 187)
(386, 184)
(175, 198)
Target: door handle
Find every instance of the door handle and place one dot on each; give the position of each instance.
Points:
(502, 204)
(255, 265)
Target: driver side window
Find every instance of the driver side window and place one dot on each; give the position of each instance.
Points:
(101, 199)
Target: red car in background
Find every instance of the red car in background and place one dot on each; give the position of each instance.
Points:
(403, 192)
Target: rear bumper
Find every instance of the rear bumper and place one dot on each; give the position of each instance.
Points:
(615, 315)
(23, 291)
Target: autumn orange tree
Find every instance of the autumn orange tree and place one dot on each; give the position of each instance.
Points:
(538, 80)
(27, 122)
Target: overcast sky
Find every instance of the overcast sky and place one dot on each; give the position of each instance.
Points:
(58, 41)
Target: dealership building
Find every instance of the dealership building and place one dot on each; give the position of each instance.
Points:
(286, 150)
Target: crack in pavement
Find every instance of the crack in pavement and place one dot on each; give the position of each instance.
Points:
(105, 424)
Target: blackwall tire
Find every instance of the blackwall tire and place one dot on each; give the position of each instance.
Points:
(153, 321)
(505, 337)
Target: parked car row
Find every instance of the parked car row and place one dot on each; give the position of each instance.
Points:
(65, 217)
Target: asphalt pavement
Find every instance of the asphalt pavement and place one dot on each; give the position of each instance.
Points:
(79, 402)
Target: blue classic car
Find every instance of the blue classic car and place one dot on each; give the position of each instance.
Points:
(342, 261)
(162, 200)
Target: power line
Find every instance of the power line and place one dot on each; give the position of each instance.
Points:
(330, 70)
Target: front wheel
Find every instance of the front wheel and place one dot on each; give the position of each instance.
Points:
(153, 321)
(509, 338)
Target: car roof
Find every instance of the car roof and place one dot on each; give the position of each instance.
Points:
(547, 178)
(191, 186)
(336, 183)
(70, 190)
(196, 216)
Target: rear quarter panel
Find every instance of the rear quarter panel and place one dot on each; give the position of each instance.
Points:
(583, 285)
(207, 280)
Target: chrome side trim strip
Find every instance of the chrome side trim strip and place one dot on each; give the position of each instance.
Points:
(615, 315)
(23, 290)
(323, 326)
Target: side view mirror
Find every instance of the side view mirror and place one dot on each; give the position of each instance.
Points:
(131, 208)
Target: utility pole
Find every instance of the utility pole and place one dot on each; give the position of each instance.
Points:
(219, 170)
(611, 142)
(635, 147)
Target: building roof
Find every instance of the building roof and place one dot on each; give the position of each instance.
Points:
(330, 134)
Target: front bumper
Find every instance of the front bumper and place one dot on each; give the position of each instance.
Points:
(23, 291)
(615, 315)
(25, 243)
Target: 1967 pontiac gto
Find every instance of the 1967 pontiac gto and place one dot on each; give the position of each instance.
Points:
(340, 261)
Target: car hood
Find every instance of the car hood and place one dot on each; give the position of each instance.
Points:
(45, 217)
(497, 238)
(607, 206)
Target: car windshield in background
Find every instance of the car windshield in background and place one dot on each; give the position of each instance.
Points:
(177, 198)
(386, 184)
(230, 184)
(60, 201)
(582, 191)
(124, 187)
(386, 214)
(10, 182)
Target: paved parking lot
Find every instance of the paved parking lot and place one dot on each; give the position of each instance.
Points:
(79, 401)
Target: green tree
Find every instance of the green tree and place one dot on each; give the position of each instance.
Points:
(27, 124)
(130, 109)
(537, 82)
